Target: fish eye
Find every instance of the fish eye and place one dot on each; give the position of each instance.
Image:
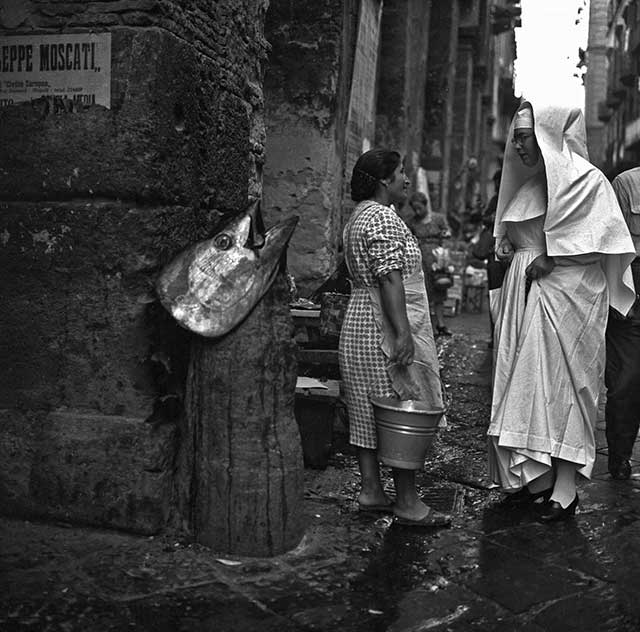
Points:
(223, 241)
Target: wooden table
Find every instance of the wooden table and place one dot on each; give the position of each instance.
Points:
(316, 415)
(311, 351)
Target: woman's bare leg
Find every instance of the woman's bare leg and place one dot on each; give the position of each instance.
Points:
(438, 309)
(371, 492)
(408, 504)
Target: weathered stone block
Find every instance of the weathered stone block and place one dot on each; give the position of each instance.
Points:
(102, 20)
(81, 328)
(306, 97)
(174, 133)
(305, 55)
(304, 185)
(93, 469)
(228, 31)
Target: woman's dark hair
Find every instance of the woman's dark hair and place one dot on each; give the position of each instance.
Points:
(374, 165)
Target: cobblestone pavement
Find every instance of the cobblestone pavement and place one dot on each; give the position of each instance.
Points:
(493, 570)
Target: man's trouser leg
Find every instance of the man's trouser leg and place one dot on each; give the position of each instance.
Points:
(622, 378)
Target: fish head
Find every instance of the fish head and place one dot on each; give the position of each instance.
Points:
(212, 286)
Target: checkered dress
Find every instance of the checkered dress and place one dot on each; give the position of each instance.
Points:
(376, 243)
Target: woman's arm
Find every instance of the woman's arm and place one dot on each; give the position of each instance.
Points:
(395, 309)
(540, 267)
(503, 247)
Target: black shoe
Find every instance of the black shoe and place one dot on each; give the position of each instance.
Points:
(620, 469)
(525, 497)
(443, 331)
(553, 511)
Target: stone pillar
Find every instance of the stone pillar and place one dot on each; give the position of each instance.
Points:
(596, 82)
(484, 80)
(471, 106)
(462, 134)
(438, 122)
(403, 75)
(307, 89)
(96, 199)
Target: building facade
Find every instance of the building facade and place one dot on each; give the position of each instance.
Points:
(613, 86)
(105, 403)
(430, 78)
(103, 398)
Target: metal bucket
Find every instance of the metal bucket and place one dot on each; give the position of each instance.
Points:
(406, 431)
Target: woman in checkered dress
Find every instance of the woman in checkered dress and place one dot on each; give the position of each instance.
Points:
(384, 263)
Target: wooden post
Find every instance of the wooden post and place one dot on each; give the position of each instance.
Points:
(240, 460)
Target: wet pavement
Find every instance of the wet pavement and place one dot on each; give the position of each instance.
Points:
(495, 569)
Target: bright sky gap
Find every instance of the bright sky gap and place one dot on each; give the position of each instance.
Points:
(548, 45)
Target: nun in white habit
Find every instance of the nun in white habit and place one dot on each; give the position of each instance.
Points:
(560, 226)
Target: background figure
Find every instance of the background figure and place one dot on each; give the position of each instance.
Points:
(623, 346)
(387, 321)
(481, 249)
(492, 204)
(481, 255)
(558, 222)
(430, 230)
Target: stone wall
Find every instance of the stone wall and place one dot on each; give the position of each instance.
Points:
(391, 103)
(462, 134)
(438, 124)
(307, 83)
(94, 201)
(596, 81)
(403, 73)
(417, 52)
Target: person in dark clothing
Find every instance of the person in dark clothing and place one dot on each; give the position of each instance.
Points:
(481, 256)
(622, 374)
(482, 252)
(430, 229)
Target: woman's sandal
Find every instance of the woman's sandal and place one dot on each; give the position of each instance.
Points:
(432, 519)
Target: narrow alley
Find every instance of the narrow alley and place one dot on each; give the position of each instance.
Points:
(233, 232)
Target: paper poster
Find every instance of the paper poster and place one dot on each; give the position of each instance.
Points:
(71, 66)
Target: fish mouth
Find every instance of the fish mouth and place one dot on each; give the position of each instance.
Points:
(278, 236)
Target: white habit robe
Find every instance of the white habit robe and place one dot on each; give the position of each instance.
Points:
(549, 348)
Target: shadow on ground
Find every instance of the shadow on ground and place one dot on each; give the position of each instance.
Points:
(494, 570)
